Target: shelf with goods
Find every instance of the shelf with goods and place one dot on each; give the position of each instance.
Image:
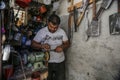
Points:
(17, 66)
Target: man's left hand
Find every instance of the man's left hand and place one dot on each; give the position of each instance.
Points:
(59, 49)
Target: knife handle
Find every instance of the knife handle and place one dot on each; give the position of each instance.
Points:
(94, 9)
(118, 6)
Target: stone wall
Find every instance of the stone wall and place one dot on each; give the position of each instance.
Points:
(95, 59)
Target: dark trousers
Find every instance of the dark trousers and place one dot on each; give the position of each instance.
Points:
(56, 71)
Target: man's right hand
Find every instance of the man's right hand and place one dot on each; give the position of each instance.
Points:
(46, 47)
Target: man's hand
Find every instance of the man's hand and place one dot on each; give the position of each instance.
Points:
(59, 49)
(62, 47)
(46, 47)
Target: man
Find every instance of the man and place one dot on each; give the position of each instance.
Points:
(53, 39)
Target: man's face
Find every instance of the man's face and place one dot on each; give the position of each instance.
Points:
(52, 28)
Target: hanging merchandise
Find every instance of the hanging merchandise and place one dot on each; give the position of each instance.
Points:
(11, 3)
(75, 16)
(8, 71)
(2, 28)
(6, 52)
(20, 20)
(28, 42)
(85, 4)
(70, 25)
(94, 29)
(23, 39)
(42, 9)
(86, 26)
(114, 22)
(2, 5)
(93, 16)
(38, 18)
(23, 3)
(47, 2)
(10, 25)
(3, 39)
(56, 5)
(17, 38)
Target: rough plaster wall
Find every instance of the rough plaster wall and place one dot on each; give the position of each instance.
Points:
(96, 59)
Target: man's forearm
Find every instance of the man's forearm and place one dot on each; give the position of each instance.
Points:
(65, 45)
(36, 45)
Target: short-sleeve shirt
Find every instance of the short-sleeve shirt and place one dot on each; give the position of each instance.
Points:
(53, 39)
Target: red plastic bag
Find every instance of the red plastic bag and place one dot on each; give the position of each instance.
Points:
(23, 3)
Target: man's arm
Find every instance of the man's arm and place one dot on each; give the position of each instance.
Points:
(38, 46)
(65, 45)
(62, 47)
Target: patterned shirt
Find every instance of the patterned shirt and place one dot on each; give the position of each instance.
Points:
(53, 39)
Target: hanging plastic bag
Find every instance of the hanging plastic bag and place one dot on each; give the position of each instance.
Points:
(56, 5)
(23, 3)
(42, 9)
(47, 2)
(6, 52)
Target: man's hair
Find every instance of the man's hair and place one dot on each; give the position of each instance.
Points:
(55, 19)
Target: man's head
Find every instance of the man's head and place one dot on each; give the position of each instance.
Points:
(53, 23)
